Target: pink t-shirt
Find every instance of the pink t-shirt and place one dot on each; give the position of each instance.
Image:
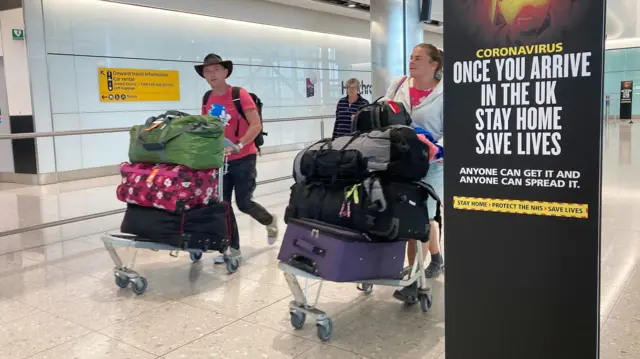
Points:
(417, 96)
(247, 103)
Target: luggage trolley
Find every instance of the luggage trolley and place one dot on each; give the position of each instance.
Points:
(300, 306)
(125, 274)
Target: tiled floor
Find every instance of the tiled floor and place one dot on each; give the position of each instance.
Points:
(58, 299)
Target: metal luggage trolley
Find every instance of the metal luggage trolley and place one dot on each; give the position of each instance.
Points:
(125, 274)
(300, 306)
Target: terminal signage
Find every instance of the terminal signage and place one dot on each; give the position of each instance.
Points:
(17, 34)
(364, 89)
(131, 85)
(523, 128)
(626, 100)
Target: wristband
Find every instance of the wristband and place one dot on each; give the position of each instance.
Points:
(240, 145)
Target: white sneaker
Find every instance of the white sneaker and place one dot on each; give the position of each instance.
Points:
(272, 231)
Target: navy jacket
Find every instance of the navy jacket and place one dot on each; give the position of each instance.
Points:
(344, 111)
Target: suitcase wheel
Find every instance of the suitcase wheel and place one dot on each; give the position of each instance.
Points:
(195, 257)
(426, 300)
(297, 319)
(325, 329)
(366, 288)
(232, 264)
(139, 285)
(122, 282)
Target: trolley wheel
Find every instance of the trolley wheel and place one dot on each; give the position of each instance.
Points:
(366, 288)
(122, 282)
(232, 265)
(426, 300)
(195, 257)
(297, 319)
(139, 285)
(325, 329)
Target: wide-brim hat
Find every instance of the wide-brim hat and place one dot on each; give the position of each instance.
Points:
(213, 59)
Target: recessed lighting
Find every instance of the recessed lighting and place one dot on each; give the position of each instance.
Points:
(352, 5)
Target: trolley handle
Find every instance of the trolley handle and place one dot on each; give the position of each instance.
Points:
(229, 143)
(225, 167)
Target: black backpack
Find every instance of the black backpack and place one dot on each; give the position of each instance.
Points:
(380, 114)
(235, 93)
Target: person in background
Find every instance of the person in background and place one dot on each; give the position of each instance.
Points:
(347, 108)
(422, 94)
(242, 156)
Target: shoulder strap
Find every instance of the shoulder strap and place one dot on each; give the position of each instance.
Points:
(205, 98)
(404, 78)
(235, 94)
(432, 193)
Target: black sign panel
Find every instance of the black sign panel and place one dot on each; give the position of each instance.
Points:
(626, 100)
(523, 117)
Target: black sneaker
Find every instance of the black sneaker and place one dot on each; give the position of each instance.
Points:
(434, 270)
(408, 294)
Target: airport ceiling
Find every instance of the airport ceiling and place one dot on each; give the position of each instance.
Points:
(623, 23)
(623, 16)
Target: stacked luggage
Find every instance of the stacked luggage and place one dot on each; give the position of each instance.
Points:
(357, 199)
(172, 183)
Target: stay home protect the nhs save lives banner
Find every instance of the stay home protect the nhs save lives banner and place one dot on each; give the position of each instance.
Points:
(523, 124)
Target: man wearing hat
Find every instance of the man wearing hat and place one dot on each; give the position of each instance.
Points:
(242, 157)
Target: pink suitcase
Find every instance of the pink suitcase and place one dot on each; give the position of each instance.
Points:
(173, 188)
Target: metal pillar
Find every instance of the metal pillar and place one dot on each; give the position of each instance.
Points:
(395, 30)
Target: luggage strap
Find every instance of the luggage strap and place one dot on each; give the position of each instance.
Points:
(432, 193)
(329, 143)
(353, 193)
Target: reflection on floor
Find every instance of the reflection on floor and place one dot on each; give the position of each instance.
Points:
(58, 299)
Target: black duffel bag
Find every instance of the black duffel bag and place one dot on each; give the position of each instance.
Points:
(211, 228)
(379, 114)
(395, 152)
(385, 210)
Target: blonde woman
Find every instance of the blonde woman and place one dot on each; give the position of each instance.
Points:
(421, 93)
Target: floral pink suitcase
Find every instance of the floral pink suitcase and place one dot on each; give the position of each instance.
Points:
(173, 188)
(339, 254)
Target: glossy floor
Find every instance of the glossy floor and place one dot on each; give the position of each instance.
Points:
(58, 299)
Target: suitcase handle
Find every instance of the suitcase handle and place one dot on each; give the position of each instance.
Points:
(303, 263)
(309, 247)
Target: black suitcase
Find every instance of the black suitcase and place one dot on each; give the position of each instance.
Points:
(211, 228)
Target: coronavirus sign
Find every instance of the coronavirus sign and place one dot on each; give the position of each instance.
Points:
(523, 128)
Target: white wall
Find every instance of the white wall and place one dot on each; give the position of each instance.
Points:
(6, 150)
(15, 62)
(433, 38)
(273, 62)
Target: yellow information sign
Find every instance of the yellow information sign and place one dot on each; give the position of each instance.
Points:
(129, 85)
(536, 208)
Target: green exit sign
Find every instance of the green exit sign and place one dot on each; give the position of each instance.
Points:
(18, 34)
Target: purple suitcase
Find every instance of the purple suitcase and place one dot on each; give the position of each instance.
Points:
(339, 254)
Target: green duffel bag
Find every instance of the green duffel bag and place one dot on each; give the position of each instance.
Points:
(179, 138)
